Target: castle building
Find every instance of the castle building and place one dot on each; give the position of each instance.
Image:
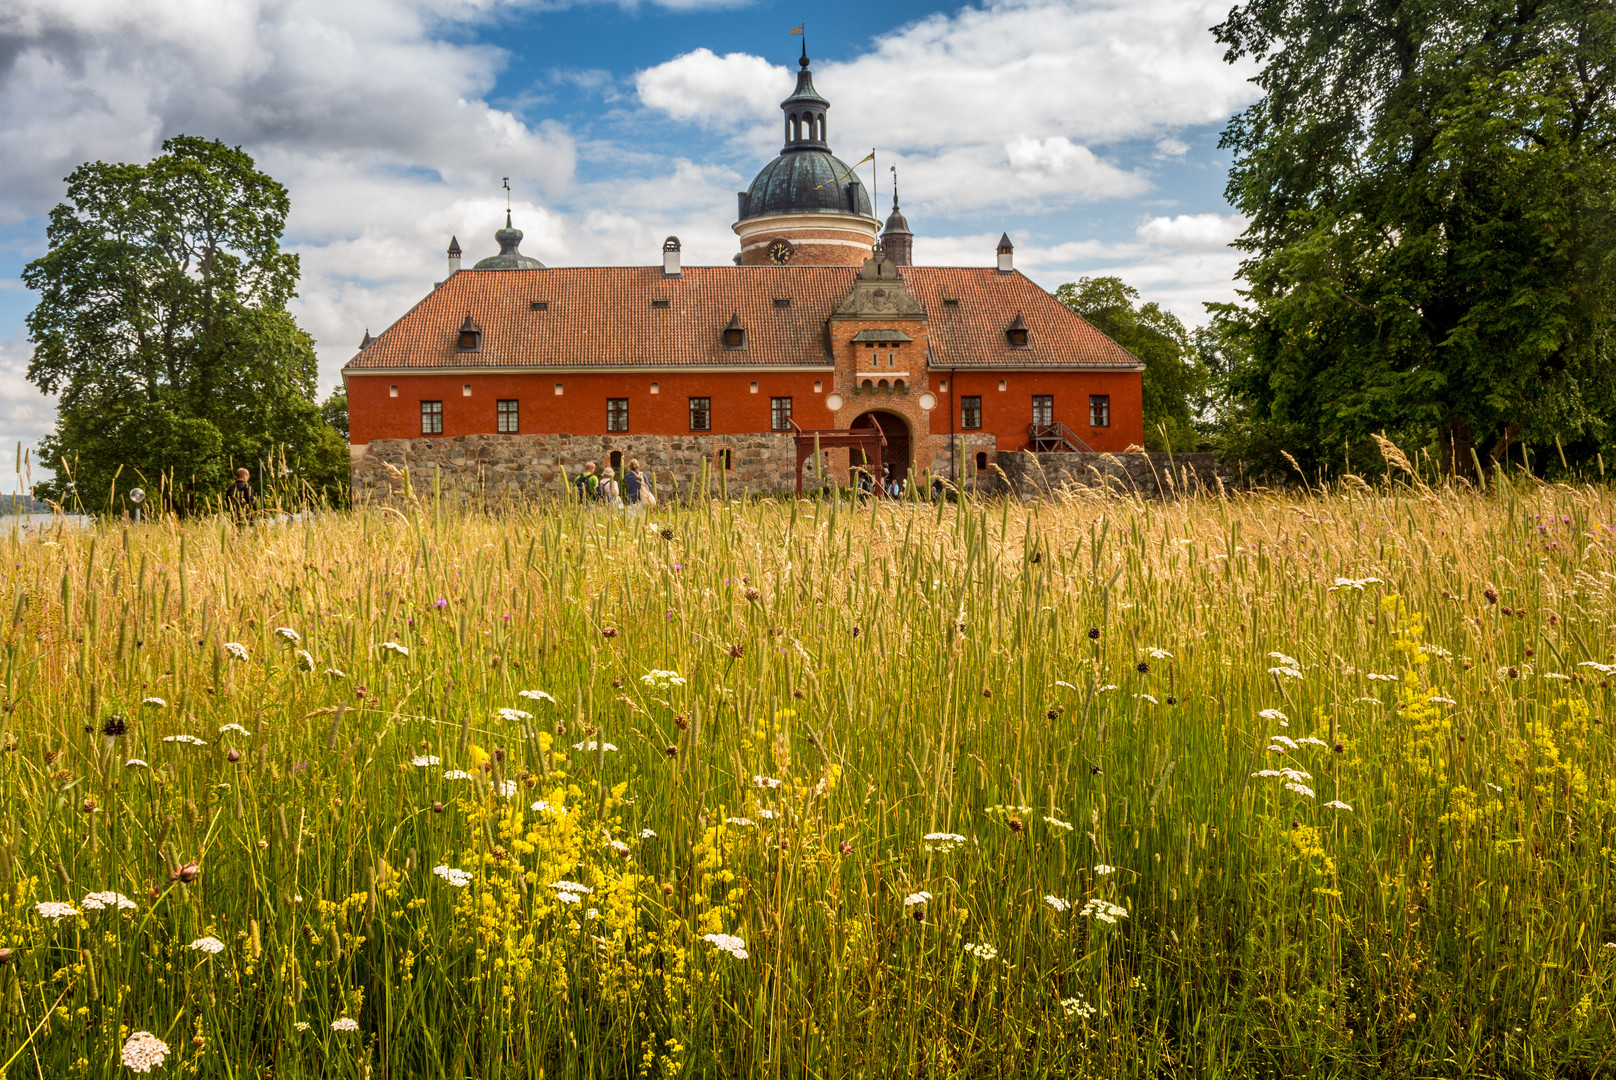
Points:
(507, 377)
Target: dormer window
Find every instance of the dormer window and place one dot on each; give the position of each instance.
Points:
(1017, 333)
(471, 335)
(735, 333)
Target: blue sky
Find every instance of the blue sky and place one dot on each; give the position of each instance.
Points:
(1087, 129)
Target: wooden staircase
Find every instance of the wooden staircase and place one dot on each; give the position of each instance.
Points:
(1055, 438)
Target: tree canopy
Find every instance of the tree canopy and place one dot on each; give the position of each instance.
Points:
(1174, 381)
(1431, 188)
(162, 328)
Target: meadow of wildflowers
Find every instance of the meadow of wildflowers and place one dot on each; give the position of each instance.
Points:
(1316, 785)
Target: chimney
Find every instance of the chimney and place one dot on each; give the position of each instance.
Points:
(670, 257)
(454, 255)
(1007, 260)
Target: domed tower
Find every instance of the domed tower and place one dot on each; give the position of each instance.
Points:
(806, 206)
(509, 258)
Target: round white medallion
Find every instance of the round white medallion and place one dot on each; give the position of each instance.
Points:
(928, 401)
(833, 402)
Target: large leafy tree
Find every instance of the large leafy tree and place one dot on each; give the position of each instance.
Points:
(1174, 381)
(1431, 188)
(162, 328)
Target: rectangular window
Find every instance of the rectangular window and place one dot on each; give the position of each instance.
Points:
(431, 418)
(507, 418)
(971, 412)
(1099, 410)
(701, 414)
(617, 414)
(780, 413)
(1043, 409)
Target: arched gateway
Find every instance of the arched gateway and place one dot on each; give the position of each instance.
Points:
(896, 454)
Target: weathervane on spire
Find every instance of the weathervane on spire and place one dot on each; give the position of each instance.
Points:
(894, 187)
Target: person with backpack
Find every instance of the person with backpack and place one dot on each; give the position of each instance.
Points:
(637, 491)
(586, 483)
(606, 491)
(239, 500)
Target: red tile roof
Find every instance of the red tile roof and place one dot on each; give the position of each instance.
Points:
(603, 317)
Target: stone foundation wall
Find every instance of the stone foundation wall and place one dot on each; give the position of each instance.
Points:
(1031, 476)
(489, 469)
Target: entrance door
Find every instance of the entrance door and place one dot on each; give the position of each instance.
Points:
(895, 455)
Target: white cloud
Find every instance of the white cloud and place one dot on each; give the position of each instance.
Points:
(25, 413)
(1197, 231)
(715, 91)
(993, 106)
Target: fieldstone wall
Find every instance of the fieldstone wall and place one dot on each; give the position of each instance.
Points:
(1031, 476)
(489, 469)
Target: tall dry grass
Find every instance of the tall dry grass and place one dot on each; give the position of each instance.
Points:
(1081, 692)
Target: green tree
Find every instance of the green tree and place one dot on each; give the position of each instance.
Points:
(1174, 381)
(1431, 188)
(162, 327)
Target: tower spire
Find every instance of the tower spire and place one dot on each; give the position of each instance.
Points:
(896, 239)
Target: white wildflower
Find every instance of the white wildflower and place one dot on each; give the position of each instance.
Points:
(571, 886)
(1373, 677)
(514, 715)
(1077, 1009)
(334, 673)
(1158, 654)
(942, 841)
(745, 823)
(1438, 699)
(982, 951)
(97, 901)
(237, 728)
(507, 788)
(144, 1051)
(301, 1025)
(916, 898)
(456, 877)
(1104, 910)
(1102, 869)
(154, 703)
(189, 740)
(728, 943)
(1288, 672)
(1287, 661)
(1274, 714)
(425, 761)
(395, 647)
(1058, 904)
(535, 695)
(1492, 785)
(1353, 583)
(1556, 676)
(1337, 804)
(767, 814)
(55, 909)
(1107, 686)
(135, 763)
(1300, 789)
(662, 680)
(209, 945)
(456, 774)
(1312, 741)
(765, 782)
(1295, 774)
(1146, 697)
(1266, 772)
(236, 649)
(566, 897)
(1063, 682)
(1365, 701)
(1284, 740)
(647, 834)
(345, 1024)
(1057, 823)
(1603, 669)
(618, 846)
(305, 660)
(287, 634)
(592, 746)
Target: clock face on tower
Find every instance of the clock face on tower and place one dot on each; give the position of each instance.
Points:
(780, 252)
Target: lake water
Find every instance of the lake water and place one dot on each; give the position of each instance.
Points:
(41, 522)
